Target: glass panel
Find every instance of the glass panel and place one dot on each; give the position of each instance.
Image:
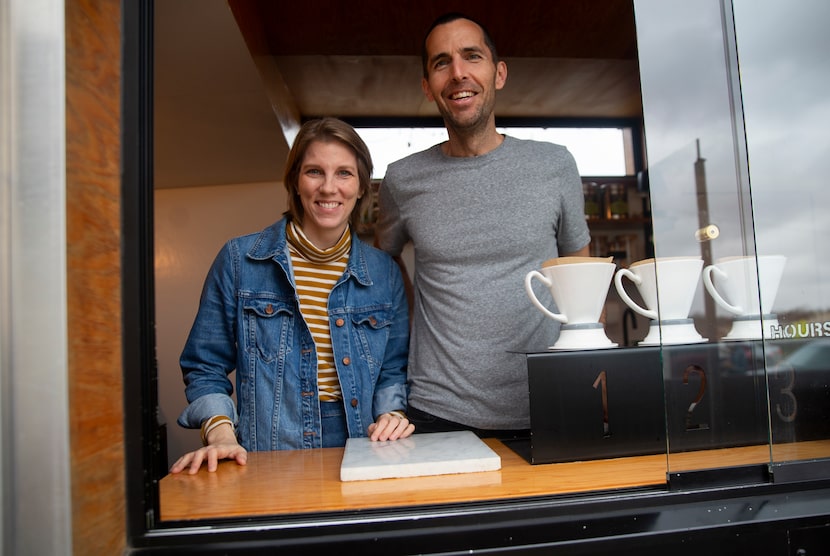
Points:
(715, 392)
(784, 84)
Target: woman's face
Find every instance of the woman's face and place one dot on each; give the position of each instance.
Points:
(328, 187)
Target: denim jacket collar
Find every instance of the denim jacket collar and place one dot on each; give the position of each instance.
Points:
(272, 244)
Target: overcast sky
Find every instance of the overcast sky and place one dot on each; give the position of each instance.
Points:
(784, 84)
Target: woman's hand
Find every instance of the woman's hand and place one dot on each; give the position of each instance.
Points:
(390, 426)
(222, 444)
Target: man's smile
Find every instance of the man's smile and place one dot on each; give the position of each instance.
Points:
(461, 94)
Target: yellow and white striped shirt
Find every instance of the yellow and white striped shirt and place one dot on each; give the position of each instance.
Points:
(315, 273)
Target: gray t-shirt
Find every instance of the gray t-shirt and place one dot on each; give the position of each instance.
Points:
(478, 225)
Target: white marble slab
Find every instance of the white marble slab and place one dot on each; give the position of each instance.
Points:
(437, 453)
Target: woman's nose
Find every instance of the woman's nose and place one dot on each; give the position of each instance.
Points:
(328, 185)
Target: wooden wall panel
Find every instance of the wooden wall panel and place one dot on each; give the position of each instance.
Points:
(93, 88)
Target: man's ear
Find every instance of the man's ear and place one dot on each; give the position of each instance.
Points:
(501, 74)
(425, 89)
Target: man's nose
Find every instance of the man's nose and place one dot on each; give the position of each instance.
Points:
(458, 69)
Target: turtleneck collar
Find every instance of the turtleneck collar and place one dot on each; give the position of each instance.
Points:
(297, 239)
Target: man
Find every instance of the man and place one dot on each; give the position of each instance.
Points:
(482, 210)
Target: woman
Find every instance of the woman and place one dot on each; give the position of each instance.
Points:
(313, 320)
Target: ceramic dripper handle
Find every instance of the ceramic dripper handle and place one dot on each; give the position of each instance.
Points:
(710, 287)
(532, 295)
(624, 272)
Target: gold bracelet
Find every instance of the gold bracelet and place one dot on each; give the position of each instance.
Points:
(398, 413)
(211, 424)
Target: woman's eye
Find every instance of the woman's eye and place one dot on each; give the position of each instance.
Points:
(312, 171)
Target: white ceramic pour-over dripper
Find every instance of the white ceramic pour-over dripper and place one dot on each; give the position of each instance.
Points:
(667, 286)
(751, 285)
(579, 286)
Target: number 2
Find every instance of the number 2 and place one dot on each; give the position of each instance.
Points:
(695, 369)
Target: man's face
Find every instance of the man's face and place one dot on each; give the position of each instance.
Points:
(462, 76)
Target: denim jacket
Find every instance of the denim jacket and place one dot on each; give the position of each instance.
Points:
(249, 320)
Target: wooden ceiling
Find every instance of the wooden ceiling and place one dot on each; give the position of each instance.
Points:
(233, 78)
(520, 28)
(565, 58)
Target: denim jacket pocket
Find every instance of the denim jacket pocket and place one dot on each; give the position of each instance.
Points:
(372, 327)
(267, 327)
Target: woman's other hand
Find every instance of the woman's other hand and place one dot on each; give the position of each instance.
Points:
(390, 426)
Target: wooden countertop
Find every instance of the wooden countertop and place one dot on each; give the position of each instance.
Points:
(302, 481)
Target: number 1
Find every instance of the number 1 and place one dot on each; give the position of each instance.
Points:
(601, 379)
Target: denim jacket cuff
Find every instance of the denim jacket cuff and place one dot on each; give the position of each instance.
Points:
(206, 407)
(389, 399)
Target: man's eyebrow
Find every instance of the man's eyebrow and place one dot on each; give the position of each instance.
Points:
(465, 50)
(472, 49)
(438, 56)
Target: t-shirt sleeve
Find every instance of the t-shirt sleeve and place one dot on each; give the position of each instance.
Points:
(573, 233)
(390, 232)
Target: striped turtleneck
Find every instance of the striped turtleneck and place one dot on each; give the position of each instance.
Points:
(315, 273)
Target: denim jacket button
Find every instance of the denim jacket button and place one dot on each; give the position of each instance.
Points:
(373, 321)
(339, 322)
(354, 402)
(347, 361)
(269, 309)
